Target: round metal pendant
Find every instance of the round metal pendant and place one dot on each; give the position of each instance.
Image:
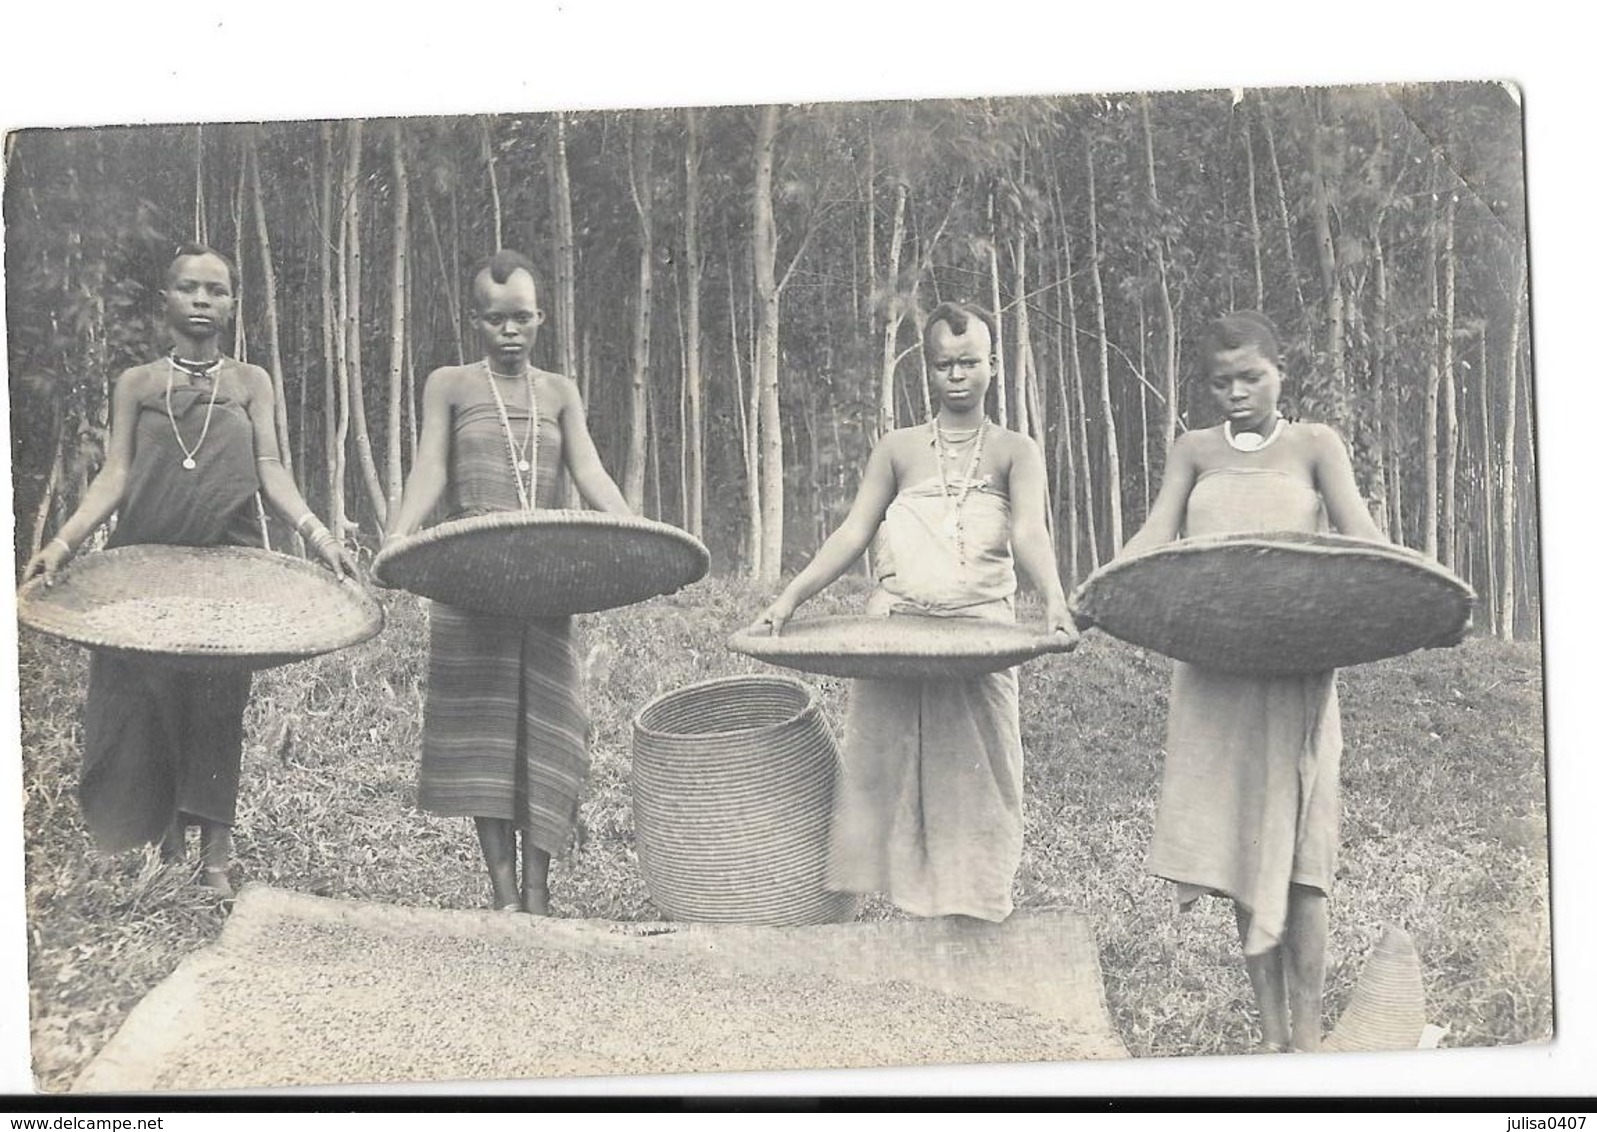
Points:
(188, 462)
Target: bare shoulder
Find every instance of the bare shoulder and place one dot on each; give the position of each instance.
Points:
(150, 377)
(1321, 437)
(449, 380)
(559, 387)
(256, 381)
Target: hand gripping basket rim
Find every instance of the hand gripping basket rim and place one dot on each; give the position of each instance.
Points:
(543, 563)
(902, 646)
(1333, 601)
(348, 615)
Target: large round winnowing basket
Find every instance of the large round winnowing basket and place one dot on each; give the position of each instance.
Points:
(1277, 602)
(201, 607)
(547, 563)
(732, 785)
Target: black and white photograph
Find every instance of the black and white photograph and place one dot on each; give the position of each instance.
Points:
(646, 592)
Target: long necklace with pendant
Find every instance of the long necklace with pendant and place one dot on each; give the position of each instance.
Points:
(1252, 441)
(211, 372)
(523, 457)
(954, 505)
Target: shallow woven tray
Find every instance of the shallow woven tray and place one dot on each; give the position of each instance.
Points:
(543, 563)
(201, 607)
(1277, 603)
(899, 647)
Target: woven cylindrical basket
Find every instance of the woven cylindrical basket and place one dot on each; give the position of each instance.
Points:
(543, 563)
(1278, 602)
(732, 800)
(1387, 1011)
(201, 607)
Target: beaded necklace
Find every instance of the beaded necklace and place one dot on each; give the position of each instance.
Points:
(1254, 442)
(523, 457)
(208, 371)
(954, 505)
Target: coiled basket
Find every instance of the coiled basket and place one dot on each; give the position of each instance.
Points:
(732, 801)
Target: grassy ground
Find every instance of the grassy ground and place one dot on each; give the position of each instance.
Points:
(1444, 829)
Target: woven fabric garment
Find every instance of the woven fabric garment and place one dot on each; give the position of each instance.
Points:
(1250, 802)
(928, 801)
(505, 732)
(158, 742)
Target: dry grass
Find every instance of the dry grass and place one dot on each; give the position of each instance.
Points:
(1444, 828)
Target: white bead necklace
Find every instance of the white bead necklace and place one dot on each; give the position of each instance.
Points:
(1252, 441)
(954, 514)
(189, 453)
(523, 457)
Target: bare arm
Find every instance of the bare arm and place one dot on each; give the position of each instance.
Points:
(598, 489)
(429, 475)
(1169, 510)
(105, 493)
(278, 488)
(877, 487)
(1333, 476)
(1033, 547)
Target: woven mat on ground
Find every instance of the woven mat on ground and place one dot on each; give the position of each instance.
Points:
(305, 991)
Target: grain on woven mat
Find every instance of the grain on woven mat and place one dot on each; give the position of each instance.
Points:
(177, 621)
(345, 1006)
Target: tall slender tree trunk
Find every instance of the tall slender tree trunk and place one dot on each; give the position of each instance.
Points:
(1079, 388)
(449, 277)
(396, 321)
(1024, 399)
(1448, 539)
(1105, 393)
(52, 485)
(870, 221)
(1330, 278)
(486, 126)
(365, 462)
(1000, 379)
(565, 268)
(1280, 200)
(692, 382)
(240, 256)
(640, 158)
(274, 350)
(886, 405)
(334, 375)
(1167, 313)
(1383, 422)
(201, 234)
(748, 425)
(769, 323)
(1433, 373)
(1507, 529)
(1487, 493)
(1253, 209)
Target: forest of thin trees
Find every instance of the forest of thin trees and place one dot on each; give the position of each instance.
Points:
(739, 293)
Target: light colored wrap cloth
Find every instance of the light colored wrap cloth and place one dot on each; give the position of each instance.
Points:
(928, 800)
(1250, 802)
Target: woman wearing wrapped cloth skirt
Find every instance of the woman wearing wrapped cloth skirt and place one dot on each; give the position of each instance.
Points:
(193, 440)
(505, 731)
(929, 793)
(1250, 804)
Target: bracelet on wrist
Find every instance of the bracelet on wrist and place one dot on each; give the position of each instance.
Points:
(65, 545)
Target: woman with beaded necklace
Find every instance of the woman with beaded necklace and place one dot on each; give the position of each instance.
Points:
(1249, 804)
(928, 801)
(504, 736)
(192, 441)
